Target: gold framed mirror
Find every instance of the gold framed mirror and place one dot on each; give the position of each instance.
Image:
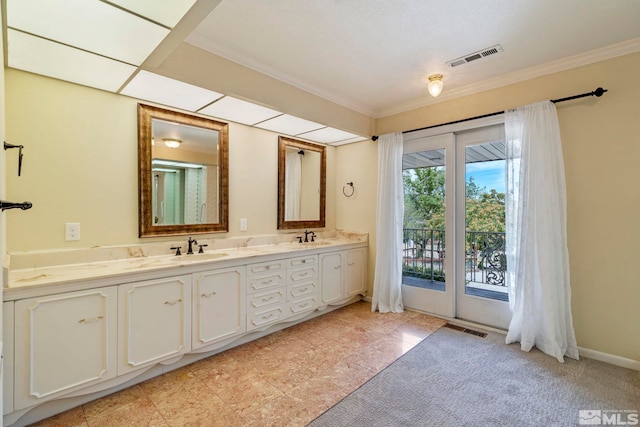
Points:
(183, 172)
(301, 184)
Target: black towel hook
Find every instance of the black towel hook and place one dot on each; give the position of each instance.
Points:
(20, 147)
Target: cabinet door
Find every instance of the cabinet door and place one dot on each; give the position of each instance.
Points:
(331, 280)
(218, 305)
(64, 342)
(355, 270)
(154, 319)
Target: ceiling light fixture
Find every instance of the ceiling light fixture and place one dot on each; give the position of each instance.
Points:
(172, 142)
(435, 84)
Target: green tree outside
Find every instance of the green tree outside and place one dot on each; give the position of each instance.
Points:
(424, 201)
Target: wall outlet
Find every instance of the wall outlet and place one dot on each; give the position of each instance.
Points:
(243, 224)
(72, 231)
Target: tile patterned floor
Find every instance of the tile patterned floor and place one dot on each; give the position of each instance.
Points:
(285, 379)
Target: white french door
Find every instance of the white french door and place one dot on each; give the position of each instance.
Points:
(455, 267)
(431, 285)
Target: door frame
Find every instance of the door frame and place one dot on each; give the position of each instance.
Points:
(453, 302)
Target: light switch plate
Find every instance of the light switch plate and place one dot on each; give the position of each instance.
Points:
(243, 224)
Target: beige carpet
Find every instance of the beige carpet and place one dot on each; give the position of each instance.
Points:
(453, 378)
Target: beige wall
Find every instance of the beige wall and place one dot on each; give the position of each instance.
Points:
(601, 146)
(80, 165)
(358, 163)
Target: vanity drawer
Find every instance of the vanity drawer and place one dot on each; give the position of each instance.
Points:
(302, 274)
(265, 281)
(300, 290)
(257, 318)
(263, 299)
(302, 305)
(264, 267)
(302, 261)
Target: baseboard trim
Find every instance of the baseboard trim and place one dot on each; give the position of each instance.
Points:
(609, 358)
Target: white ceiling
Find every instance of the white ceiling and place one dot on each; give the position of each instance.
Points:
(372, 56)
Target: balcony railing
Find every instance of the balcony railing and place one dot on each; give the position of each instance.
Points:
(424, 256)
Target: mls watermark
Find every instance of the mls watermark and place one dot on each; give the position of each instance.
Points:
(602, 417)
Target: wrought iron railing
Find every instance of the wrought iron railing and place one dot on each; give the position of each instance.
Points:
(424, 255)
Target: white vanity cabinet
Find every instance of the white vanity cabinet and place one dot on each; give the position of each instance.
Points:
(154, 321)
(342, 274)
(63, 342)
(218, 305)
(303, 286)
(266, 293)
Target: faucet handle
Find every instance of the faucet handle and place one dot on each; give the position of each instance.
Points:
(177, 249)
(299, 239)
(200, 250)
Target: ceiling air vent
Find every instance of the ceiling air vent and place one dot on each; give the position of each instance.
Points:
(475, 56)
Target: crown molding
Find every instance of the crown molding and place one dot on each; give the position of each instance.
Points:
(593, 56)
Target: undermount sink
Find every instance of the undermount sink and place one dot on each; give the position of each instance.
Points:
(316, 244)
(198, 257)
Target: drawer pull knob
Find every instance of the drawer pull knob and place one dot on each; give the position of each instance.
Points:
(207, 295)
(174, 302)
(95, 319)
(304, 261)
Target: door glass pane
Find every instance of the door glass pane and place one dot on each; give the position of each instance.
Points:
(485, 261)
(424, 219)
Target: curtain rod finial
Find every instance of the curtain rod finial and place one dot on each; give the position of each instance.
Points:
(374, 138)
(599, 92)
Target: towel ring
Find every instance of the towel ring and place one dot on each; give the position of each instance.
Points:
(353, 190)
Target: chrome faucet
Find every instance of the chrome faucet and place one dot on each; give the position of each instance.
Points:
(191, 241)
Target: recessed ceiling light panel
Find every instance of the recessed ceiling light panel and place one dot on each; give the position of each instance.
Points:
(289, 125)
(239, 111)
(328, 135)
(94, 26)
(165, 12)
(163, 90)
(36, 55)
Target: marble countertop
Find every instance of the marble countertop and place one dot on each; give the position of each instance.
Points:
(43, 272)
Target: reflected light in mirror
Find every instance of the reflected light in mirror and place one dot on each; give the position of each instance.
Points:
(172, 143)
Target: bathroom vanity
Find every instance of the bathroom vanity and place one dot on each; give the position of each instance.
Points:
(81, 324)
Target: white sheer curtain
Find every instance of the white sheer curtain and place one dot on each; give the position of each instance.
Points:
(537, 255)
(293, 186)
(389, 221)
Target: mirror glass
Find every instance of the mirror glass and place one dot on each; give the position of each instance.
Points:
(301, 184)
(183, 161)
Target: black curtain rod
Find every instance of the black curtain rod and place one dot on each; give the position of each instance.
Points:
(598, 93)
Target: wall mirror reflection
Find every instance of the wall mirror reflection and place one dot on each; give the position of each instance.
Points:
(183, 173)
(301, 184)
